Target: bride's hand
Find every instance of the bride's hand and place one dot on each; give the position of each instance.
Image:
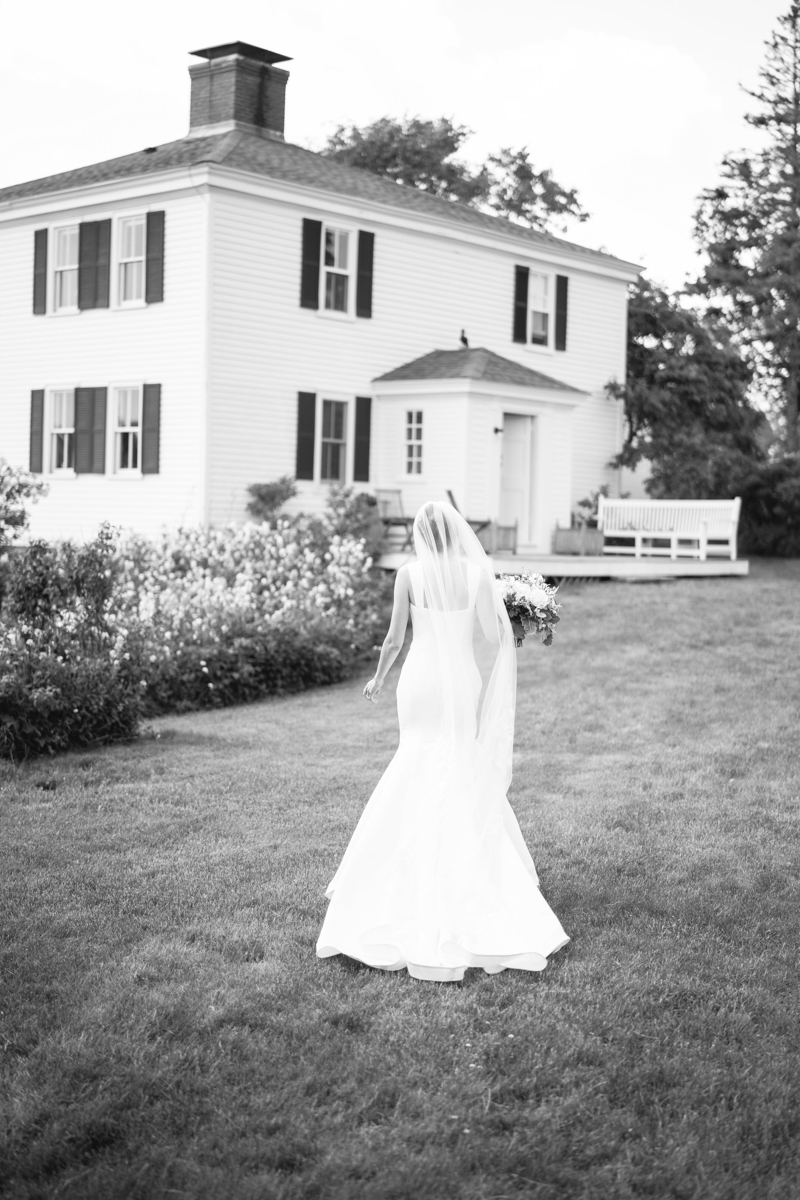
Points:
(372, 690)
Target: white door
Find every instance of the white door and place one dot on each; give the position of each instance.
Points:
(515, 474)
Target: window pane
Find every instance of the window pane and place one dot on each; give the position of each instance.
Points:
(67, 289)
(133, 406)
(336, 292)
(338, 420)
(122, 407)
(131, 280)
(537, 291)
(539, 326)
(330, 248)
(138, 238)
(67, 246)
(341, 257)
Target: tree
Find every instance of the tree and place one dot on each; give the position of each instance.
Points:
(413, 152)
(685, 398)
(419, 153)
(533, 198)
(749, 228)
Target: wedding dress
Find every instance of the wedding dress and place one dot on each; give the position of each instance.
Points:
(437, 877)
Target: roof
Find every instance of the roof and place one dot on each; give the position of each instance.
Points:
(274, 159)
(474, 364)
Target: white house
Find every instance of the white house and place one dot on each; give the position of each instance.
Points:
(228, 308)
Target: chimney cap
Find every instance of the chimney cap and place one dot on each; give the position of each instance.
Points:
(243, 48)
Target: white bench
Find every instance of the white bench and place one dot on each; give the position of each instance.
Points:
(670, 528)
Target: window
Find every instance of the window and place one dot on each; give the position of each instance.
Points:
(66, 267)
(414, 443)
(62, 431)
(131, 259)
(337, 277)
(334, 424)
(539, 297)
(127, 429)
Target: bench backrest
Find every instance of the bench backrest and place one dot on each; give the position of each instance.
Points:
(667, 516)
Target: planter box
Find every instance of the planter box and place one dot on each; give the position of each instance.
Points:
(578, 541)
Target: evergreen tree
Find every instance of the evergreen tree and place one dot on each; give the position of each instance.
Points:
(749, 228)
(421, 154)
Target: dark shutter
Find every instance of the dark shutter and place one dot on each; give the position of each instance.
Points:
(366, 254)
(90, 431)
(363, 422)
(154, 259)
(309, 275)
(562, 285)
(99, 432)
(40, 272)
(84, 415)
(151, 427)
(306, 421)
(37, 430)
(94, 264)
(521, 304)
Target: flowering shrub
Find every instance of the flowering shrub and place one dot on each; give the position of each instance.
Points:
(17, 488)
(211, 617)
(96, 636)
(59, 684)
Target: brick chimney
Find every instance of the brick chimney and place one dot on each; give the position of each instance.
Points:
(238, 87)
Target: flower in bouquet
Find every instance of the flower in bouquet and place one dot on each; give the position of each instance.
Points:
(531, 606)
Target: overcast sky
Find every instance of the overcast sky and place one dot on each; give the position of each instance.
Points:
(631, 101)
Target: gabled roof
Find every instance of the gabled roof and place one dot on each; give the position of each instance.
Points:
(274, 159)
(474, 364)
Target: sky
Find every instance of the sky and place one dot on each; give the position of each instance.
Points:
(632, 102)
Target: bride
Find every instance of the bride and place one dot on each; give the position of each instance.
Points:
(437, 876)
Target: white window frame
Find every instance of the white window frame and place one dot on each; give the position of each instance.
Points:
(416, 428)
(112, 429)
(48, 431)
(549, 276)
(118, 260)
(52, 239)
(347, 314)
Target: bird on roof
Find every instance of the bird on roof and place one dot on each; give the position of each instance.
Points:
(463, 339)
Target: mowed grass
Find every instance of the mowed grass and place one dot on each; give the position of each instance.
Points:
(167, 1030)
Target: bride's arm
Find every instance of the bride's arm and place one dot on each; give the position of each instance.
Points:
(393, 642)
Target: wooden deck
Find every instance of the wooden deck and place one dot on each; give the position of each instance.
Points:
(606, 566)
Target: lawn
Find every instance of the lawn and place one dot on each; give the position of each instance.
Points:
(167, 1031)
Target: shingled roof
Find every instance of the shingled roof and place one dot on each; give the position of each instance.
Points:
(474, 364)
(274, 159)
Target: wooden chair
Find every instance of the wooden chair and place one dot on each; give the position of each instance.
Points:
(390, 511)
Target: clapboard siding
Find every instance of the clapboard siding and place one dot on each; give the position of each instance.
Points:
(160, 343)
(265, 347)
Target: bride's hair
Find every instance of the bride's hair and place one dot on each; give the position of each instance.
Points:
(436, 526)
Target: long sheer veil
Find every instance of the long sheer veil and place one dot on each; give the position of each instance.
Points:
(457, 577)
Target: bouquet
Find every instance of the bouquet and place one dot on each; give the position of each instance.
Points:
(531, 606)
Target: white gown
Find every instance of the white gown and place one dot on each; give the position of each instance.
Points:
(437, 876)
